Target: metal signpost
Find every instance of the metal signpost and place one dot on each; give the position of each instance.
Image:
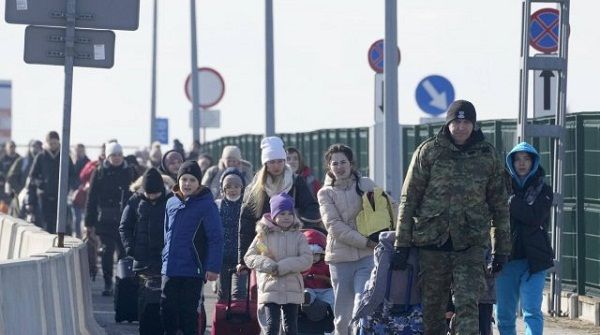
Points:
(269, 71)
(543, 31)
(213, 89)
(71, 47)
(381, 145)
(434, 94)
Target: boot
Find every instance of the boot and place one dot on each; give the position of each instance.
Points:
(108, 287)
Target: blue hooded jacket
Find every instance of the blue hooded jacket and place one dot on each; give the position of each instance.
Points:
(193, 236)
(523, 147)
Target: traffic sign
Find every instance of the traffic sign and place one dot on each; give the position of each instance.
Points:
(433, 94)
(209, 118)
(161, 130)
(375, 56)
(544, 30)
(105, 14)
(545, 90)
(211, 87)
(92, 48)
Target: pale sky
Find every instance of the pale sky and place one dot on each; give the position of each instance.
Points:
(322, 78)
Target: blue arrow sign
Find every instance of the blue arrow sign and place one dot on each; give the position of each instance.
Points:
(161, 130)
(434, 93)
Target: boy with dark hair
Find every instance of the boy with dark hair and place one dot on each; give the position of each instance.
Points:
(193, 249)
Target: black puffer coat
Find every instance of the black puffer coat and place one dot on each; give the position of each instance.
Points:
(306, 206)
(142, 231)
(529, 221)
(108, 192)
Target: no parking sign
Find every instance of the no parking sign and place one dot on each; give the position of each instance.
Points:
(544, 30)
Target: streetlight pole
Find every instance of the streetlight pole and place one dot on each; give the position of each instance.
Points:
(195, 84)
(153, 98)
(269, 70)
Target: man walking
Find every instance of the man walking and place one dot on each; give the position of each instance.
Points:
(109, 189)
(452, 200)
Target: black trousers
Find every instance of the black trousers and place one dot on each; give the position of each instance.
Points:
(149, 306)
(273, 318)
(110, 242)
(49, 207)
(179, 304)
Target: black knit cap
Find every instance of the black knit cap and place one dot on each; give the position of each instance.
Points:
(461, 109)
(190, 167)
(152, 181)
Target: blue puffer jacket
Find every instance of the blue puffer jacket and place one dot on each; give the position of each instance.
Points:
(193, 236)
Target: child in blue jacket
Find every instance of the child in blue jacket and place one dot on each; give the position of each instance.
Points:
(193, 250)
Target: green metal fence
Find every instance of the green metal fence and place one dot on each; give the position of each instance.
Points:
(581, 232)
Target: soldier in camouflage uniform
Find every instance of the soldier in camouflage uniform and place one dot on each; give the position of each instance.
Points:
(452, 201)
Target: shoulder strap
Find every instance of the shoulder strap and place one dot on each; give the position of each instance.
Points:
(357, 186)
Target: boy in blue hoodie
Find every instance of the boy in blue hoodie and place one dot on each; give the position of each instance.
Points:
(193, 250)
(522, 278)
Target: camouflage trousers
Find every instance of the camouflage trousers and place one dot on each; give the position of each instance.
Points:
(464, 272)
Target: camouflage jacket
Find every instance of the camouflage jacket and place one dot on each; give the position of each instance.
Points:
(453, 193)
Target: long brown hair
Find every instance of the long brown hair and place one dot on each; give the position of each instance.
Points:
(301, 164)
(338, 148)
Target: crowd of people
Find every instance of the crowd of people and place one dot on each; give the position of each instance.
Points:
(478, 225)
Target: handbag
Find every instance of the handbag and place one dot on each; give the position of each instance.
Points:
(79, 197)
(376, 214)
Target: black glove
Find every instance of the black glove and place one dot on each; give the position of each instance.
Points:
(400, 258)
(498, 262)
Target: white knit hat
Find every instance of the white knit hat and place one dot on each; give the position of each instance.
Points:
(231, 151)
(113, 148)
(272, 149)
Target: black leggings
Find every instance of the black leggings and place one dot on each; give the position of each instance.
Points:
(273, 317)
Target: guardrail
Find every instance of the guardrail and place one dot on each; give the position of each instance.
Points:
(44, 289)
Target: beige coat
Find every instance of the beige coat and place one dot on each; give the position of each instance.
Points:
(339, 205)
(290, 251)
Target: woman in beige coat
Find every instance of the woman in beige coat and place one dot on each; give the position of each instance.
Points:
(278, 254)
(348, 253)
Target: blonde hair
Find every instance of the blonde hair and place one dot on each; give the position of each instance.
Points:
(257, 196)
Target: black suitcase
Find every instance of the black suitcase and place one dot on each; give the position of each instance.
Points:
(126, 292)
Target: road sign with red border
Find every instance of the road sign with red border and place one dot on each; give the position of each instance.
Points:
(212, 87)
(544, 27)
(375, 56)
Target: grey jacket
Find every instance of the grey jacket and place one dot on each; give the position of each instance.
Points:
(374, 293)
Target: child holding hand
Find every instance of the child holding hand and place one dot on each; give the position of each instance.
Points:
(278, 254)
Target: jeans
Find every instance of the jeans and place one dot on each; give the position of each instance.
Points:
(348, 280)
(77, 216)
(323, 294)
(179, 304)
(273, 317)
(514, 283)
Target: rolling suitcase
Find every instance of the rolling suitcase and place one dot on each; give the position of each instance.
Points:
(236, 316)
(395, 319)
(126, 291)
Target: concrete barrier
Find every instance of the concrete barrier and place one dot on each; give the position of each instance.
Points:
(45, 289)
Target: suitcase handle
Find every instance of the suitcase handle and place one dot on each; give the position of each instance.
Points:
(409, 270)
(232, 272)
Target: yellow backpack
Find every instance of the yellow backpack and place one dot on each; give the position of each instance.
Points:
(377, 214)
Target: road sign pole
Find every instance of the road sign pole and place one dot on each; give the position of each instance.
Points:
(195, 84)
(392, 173)
(269, 70)
(63, 176)
(153, 97)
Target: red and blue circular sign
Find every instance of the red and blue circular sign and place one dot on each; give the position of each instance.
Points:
(375, 56)
(544, 30)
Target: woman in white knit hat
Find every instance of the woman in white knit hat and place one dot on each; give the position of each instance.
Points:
(230, 157)
(273, 178)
